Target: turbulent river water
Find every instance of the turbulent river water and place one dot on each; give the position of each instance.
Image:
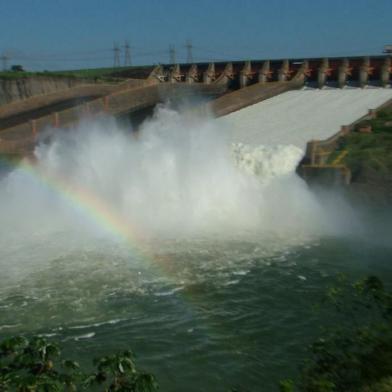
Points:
(203, 257)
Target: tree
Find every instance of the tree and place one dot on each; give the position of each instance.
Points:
(36, 366)
(356, 356)
(17, 68)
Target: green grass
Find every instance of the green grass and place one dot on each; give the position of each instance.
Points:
(371, 151)
(93, 73)
(99, 73)
(105, 74)
(9, 75)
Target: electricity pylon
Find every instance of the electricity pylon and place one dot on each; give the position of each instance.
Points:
(127, 54)
(116, 55)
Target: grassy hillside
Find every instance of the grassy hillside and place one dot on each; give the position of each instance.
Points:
(369, 154)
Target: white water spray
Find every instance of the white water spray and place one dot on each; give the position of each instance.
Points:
(179, 176)
(208, 208)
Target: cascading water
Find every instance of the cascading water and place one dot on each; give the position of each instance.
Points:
(178, 176)
(178, 179)
(169, 238)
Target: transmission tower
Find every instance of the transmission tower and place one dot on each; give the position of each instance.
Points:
(127, 54)
(4, 59)
(189, 55)
(116, 55)
(172, 54)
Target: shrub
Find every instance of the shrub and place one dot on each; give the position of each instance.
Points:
(36, 365)
(356, 356)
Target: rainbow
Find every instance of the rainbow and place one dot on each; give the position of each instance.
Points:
(84, 201)
(101, 213)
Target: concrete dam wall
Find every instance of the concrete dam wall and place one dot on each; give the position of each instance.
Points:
(318, 72)
(12, 90)
(236, 84)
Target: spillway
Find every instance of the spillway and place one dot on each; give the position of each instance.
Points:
(295, 117)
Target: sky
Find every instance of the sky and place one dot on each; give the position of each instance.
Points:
(72, 34)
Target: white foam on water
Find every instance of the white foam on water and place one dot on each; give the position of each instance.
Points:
(85, 336)
(267, 162)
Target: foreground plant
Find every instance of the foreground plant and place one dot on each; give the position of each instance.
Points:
(36, 366)
(356, 356)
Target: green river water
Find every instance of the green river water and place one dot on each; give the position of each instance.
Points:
(207, 267)
(201, 315)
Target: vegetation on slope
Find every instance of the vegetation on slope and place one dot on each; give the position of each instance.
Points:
(356, 356)
(369, 155)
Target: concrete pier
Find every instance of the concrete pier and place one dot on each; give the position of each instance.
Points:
(284, 71)
(192, 75)
(158, 74)
(175, 74)
(227, 75)
(303, 73)
(209, 75)
(385, 73)
(246, 74)
(265, 72)
(343, 72)
(364, 72)
(323, 72)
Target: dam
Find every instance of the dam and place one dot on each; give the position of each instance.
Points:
(192, 240)
(231, 85)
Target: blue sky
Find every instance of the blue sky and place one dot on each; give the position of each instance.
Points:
(65, 34)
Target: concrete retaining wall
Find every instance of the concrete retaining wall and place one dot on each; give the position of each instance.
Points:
(21, 138)
(18, 89)
(75, 92)
(314, 167)
(325, 174)
(318, 151)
